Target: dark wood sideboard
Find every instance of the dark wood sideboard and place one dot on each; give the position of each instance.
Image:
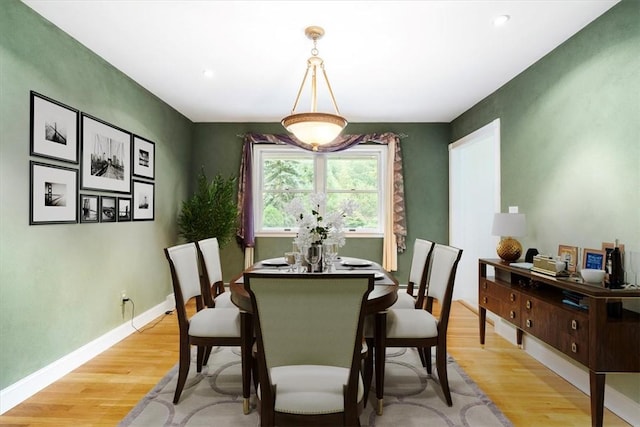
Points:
(603, 337)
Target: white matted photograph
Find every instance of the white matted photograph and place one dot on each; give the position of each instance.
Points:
(54, 194)
(88, 208)
(124, 209)
(144, 157)
(106, 156)
(54, 129)
(143, 201)
(107, 209)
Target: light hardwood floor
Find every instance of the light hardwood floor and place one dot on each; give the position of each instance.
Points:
(105, 389)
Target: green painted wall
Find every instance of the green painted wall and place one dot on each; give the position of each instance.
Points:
(218, 148)
(570, 131)
(60, 284)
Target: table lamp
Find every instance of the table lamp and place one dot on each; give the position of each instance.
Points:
(509, 225)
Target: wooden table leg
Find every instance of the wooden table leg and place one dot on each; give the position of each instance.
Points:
(596, 385)
(246, 331)
(482, 318)
(380, 334)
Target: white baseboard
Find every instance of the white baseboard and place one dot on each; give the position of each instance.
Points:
(616, 402)
(31, 384)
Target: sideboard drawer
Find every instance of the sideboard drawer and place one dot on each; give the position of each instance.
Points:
(565, 329)
(501, 300)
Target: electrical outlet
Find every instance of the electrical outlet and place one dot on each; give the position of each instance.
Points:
(123, 300)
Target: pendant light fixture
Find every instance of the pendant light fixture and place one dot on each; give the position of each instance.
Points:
(314, 128)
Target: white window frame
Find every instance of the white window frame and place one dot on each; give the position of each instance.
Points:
(283, 151)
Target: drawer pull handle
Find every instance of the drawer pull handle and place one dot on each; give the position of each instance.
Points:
(484, 300)
(484, 285)
(512, 297)
(574, 347)
(512, 314)
(529, 304)
(529, 323)
(574, 325)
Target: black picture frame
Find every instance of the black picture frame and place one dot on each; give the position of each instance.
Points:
(106, 156)
(108, 209)
(124, 209)
(53, 194)
(54, 129)
(143, 202)
(89, 208)
(143, 158)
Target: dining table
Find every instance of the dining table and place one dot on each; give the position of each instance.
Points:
(384, 294)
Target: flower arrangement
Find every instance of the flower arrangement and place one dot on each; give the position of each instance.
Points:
(315, 228)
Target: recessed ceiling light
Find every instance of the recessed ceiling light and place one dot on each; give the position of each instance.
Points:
(208, 73)
(501, 20)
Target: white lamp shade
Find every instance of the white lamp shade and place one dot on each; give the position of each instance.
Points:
(509, 224)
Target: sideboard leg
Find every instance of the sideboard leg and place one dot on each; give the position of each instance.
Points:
(483, 318)
(519, 337)
(596, 383)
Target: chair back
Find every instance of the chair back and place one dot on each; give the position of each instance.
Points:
(212, 284)
(304, 319)
(183, 261)
(444, 264)
(212, 268)
(420, 265)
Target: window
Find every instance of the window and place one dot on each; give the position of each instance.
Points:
(282, 173)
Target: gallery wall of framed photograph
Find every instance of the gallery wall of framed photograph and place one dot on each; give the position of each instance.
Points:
(54, 129)
(143, 201)
(144, 158)
(106, 156)
(100, 158)
(53, 194)
(89, 208)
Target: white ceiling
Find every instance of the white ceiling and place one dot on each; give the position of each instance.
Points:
(387, 61)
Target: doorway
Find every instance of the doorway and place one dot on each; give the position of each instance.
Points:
(474, 196)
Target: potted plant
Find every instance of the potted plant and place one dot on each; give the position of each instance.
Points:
(211, 211)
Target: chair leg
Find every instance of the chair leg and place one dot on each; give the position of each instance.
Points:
(185, 360)
(207, 353)
(423, 359)
(380, 346)
(441, 365)
(200, 358)
(368, 371)
(427, 356)
(246, 327)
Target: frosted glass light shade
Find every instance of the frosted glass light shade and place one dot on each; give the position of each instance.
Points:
(315, 128)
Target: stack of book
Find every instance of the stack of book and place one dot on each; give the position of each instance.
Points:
(575, 300)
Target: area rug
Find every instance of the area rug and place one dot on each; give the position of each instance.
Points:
(412, 397)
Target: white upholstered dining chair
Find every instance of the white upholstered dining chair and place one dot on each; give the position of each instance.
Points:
(418, 327)
(208, 326)
(309, 342)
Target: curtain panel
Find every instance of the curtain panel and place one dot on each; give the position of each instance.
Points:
(395, 230)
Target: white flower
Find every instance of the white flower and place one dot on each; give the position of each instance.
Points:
(315, 228)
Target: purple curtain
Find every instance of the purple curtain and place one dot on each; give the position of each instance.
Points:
(245, 234)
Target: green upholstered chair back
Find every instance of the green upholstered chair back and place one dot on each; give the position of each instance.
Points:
(306, 319)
